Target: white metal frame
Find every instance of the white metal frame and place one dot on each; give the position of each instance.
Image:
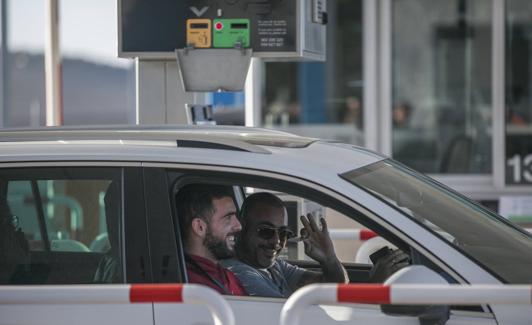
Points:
(385, 91)
(253, 93)
(370, 73)
(498, 92)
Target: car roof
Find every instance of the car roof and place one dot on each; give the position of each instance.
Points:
(236, 146)
(209, 133)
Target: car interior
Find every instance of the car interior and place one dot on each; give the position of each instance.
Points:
(47, 233)
(301, 201)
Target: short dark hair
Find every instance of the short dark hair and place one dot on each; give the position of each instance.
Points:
(258, 198)
(195, 201)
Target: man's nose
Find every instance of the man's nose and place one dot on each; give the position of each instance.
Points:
(236, 224)
(276, 240)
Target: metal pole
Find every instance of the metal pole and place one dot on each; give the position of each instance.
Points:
(370, 66)
(4, 67)
(498, 93)
(52, 58)
(385, 78)
(253, 93)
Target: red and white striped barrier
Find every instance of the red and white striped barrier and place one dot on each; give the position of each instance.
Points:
(402, 294)
(353, 234)
(121, 294)
(362, 234)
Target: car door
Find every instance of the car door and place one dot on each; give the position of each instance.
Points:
(73, 224)
(265, 310)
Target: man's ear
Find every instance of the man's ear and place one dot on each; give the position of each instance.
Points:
(199, 227)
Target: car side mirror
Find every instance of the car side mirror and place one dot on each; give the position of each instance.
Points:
(427, 314)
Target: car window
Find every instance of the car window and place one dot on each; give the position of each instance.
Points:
(61, 225)
(494, 243)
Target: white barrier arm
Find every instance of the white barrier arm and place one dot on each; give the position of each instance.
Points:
(402, 294)
(353, 234)
(361, 234)
(219, 307)
(313, 294)
(122, 294)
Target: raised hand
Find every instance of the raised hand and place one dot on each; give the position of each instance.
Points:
(318, 243)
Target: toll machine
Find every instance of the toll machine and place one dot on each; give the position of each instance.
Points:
(187, 48)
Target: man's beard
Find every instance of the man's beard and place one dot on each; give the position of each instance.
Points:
(248, 255)
(217, 247)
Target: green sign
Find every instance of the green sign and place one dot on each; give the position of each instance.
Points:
(229, 32)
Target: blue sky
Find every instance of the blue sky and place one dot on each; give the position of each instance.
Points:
(88, 28)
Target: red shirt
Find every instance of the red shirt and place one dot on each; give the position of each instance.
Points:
(217, 272)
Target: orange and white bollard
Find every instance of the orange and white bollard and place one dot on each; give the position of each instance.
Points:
(402, 294)
(122, 294)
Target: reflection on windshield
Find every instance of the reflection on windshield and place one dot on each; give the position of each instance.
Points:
(489, 239)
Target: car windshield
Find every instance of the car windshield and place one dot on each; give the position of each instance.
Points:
(490, 240)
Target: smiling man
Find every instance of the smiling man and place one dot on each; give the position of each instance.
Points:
(209, 224)
(264, 235)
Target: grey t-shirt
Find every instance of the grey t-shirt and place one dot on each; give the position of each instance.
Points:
(279, 281)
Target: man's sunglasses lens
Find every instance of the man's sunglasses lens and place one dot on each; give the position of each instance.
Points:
(285, 234)
(268, 233)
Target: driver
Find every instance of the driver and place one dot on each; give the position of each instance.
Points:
(263, 236)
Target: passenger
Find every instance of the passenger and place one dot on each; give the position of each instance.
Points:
(265, 233)
(209, 225)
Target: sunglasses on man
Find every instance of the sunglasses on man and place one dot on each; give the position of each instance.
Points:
(268, 232)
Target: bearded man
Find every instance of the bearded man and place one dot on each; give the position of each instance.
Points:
(209, 224)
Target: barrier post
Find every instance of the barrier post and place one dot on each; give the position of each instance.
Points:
(402, 294)
(121, 294)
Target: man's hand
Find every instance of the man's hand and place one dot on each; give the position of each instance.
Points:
(319, 246)
(318, 243)
(388, 265)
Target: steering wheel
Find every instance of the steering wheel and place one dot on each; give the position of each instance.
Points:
(369, 247)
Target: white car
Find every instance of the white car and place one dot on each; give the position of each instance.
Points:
(82, 199)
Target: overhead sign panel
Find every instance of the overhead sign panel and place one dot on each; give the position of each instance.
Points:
(270, 28)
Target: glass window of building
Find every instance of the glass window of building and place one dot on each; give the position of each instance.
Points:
(441, 85)
(322, 99)
(518, 55)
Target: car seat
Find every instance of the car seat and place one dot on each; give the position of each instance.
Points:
(109, 270)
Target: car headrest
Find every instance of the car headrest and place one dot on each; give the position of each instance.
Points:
(112, 201)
